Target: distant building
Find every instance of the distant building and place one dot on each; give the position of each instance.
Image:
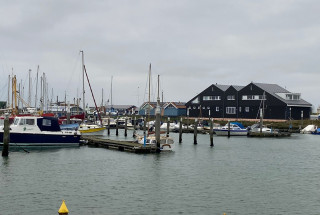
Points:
(121, 109)
(231, 101)
(169, 109)
(60, 109)
(174, 109)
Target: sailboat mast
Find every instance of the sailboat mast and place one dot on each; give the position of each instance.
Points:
(111, 95)
(35, 100)
(29, 91)
(83, 91)
(149, 105)
(157, 112)
(149, 85)
(8, 104)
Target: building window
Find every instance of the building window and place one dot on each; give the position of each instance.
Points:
(209, 98)
(231, 97)
(194, 107)
(240, 109)
(203, 108)
(253, 97)
(195, 101)
(247, 109)
(208, 108)
(217, 108)
(292, 97)
(231, 110)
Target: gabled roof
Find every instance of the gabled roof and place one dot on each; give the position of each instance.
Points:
(152, 104)
(273, 89)
(222, 87)
(237, 87)
(175, 104)
(225, 87)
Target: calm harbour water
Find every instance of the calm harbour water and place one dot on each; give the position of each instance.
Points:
(239, 175)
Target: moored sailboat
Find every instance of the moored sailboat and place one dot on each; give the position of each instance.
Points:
(163, 143)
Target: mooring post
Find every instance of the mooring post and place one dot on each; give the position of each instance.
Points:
(261, 120)
(117, 126)
(63, 209)
(188, 119)
(125, 127)
(6, 136)
(144, 125)
(195, 132)
(68, 113)
(211, 132)
(168, 126)
(228, 128)
(134, 126)
(109, 125)
(180, 131)
(301, 119)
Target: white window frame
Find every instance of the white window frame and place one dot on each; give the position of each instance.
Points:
(247, 109)
(230, 110)
(217, 108)
(231, 97)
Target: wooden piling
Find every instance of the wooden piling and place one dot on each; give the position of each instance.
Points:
(228, 128)
(117, 127)
(144, 126)
(195, 132)
(168, 126)
(109, 125)
(211, 132)
(6, 137)
(125, 127)
(180, 131)
(134, 126)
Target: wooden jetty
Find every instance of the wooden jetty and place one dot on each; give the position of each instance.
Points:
(128, 146)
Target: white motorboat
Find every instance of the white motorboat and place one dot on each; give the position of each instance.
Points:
(105, 122)
(309, 129)
(164, 126)
(40, 131)
(236, 129)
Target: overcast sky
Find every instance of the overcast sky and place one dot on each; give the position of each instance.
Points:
(190, 44)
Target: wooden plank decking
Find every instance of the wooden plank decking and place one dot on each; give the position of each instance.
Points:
(120, 145)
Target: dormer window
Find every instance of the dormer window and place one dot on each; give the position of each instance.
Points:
(293, 96)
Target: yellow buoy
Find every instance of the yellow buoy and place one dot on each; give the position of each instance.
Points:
(63, 208)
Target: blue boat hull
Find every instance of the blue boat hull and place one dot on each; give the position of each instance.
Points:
(42, 139)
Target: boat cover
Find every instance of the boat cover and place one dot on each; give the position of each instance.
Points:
(48, 124)
(239, 124)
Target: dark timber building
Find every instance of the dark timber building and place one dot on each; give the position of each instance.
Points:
(231, 101)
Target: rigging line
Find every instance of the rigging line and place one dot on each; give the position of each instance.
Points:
(22, 148)
(74, 69)
(92, 95)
